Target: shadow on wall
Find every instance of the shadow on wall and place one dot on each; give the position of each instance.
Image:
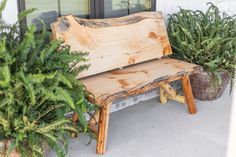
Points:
(48, 18)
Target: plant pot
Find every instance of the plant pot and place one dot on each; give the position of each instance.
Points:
(4, 146)
(205, 87)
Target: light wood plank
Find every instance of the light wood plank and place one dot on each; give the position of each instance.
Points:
(168, 89)
(117, 42)
(135, 79)
(178, 98)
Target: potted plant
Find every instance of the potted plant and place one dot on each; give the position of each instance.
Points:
(209, 40)
(37, 87)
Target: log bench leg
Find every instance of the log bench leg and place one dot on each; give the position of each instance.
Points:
(75, 118)
(188, 95)
(103, 129)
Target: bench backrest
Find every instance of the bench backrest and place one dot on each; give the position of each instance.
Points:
(117, 42)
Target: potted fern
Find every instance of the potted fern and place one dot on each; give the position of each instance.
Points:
(37, 87)
(207, 39)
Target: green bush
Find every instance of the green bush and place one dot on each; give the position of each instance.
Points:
(207, 39)
(37, 87)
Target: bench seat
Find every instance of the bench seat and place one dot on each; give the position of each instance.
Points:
(136, 79)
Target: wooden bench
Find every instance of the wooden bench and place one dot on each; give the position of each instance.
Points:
(127, 57)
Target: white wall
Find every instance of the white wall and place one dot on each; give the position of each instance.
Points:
(171, 6)
(232, 136)
(10, 12)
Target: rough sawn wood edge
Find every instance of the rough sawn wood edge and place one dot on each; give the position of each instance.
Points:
(104, 99)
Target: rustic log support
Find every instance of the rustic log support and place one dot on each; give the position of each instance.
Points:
(75, 118)
(93, 122)
(168, 92)
(95, 118)
(178, 98)
(163, 98)
(189, 95)
(103, 128)
(168, 89)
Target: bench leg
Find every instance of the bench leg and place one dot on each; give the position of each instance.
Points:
(188, 95)
(75, 118)
(103, 128)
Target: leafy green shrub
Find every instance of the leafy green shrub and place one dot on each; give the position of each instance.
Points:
(37, 87)
(207, 39)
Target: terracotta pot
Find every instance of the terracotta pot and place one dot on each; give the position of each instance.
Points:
(4, 145)
(205, 87)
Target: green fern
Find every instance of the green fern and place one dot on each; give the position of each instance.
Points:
(38, 86)
(205, 38)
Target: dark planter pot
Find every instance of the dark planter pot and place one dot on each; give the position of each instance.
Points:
(205, 87)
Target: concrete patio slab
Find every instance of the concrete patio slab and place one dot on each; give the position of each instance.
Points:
(150, 129)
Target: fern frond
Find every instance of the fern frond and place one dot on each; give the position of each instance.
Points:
(28, 87)
(5, 76)
(48, 110)
(63, 95)
(62, 78)
(69, 128)
(54, 126)
(39, 78)
(49, 50)
(4, 122)
(25, 13)
(2, 6)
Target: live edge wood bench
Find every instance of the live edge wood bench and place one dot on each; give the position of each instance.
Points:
(127, 57)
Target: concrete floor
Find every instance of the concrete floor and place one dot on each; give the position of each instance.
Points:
(149, 129)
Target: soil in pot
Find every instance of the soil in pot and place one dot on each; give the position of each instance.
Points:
(205, 87)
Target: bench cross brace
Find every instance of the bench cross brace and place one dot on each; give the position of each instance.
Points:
(167, 92)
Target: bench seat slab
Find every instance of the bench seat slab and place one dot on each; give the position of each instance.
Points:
(136, 79)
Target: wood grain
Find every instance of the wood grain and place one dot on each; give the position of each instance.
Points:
(75, 118)
(136, 79)
(115, 43)
(189, 95)
(103, 128)
(163, 97)
(168, 89)
(178, 98)
(95, 118)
